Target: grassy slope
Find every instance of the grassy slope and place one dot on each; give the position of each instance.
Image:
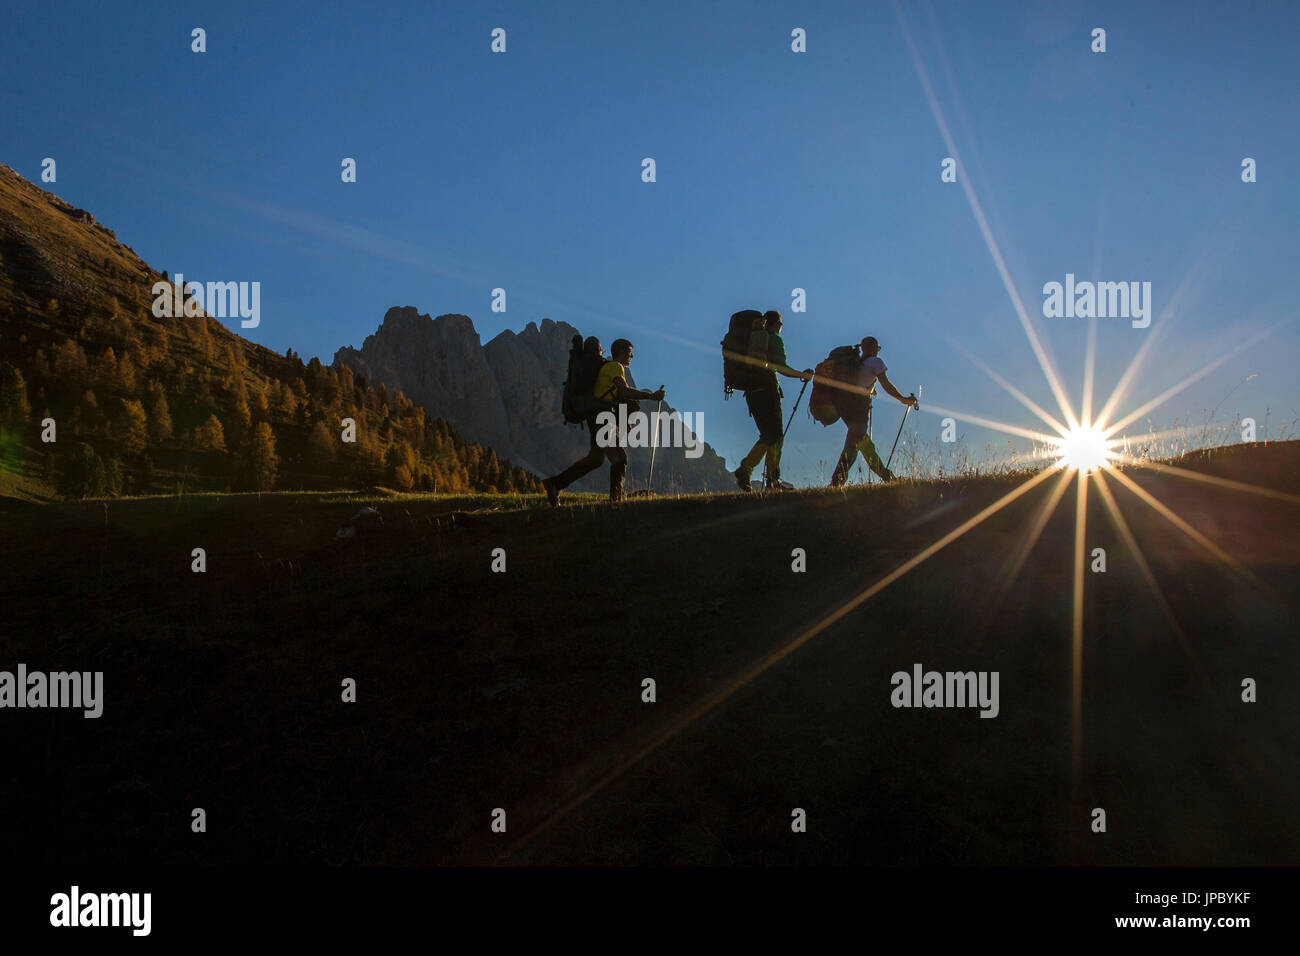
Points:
(517, 690)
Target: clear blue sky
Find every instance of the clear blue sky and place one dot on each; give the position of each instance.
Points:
(775, 170)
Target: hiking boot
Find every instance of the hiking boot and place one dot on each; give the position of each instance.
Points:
(887, 475)
(552, 491)
(742, 479)
(776, 484)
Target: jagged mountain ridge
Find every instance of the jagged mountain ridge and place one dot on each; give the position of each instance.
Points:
(506, 394)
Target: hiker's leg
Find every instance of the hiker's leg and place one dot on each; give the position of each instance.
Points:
(617, 469)
(754, 402)
(583, 466)
(750, 461)
(772, 468)
(868, 449)
(849, 454)
(767, 414)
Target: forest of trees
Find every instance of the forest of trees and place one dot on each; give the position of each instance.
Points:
(137, 402)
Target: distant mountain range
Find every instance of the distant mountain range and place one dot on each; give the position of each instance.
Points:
(506, 395)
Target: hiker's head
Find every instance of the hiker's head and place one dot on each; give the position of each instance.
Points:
(592, 346)
(772, 320)
(621, 351)
(870, 346)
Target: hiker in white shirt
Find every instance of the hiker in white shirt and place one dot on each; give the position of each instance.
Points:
(855, 408)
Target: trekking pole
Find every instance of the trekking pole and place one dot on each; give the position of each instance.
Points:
(900, 432)
(795, 409)
(870, 414)
(654, 447)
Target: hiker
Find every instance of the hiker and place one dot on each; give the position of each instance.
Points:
(608, 390)
(763, 398)
(854, 406)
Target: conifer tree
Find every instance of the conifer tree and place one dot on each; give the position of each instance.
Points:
(160, 419)
(135, 427)
(263, 463)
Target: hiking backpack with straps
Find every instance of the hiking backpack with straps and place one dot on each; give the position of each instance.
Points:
(840, 366)
(578, 403)
(744, 350)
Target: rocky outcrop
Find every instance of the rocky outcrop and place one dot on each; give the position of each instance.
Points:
(440, 364)
(506, 395)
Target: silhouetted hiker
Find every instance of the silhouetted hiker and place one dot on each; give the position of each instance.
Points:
(609, 390)
(763, 398)
(854, 406)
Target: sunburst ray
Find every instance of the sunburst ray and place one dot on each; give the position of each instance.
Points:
(1044, 360)
(1215, 480)
(1014, 392)
(1135, 551)
(1076, 628)
(787, 647)
(992, 423)
(1191, 379)
(1018, 558)
(1169, 515)
(1159, 329)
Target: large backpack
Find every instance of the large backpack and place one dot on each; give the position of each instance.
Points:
(744, 349)
(826, 400)
(578, 403)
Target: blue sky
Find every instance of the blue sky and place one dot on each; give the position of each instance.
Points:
(775, 170)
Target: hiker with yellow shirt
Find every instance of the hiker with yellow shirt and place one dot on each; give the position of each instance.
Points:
(609, 391)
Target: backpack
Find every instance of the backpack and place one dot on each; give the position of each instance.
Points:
(577, 403)
(746, 339)
(839, 366)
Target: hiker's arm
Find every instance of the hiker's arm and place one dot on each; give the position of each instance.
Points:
(888, 386)
(777, 362)
(789, 372)
(622, 393)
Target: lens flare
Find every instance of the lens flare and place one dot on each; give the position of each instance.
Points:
(1084, 449)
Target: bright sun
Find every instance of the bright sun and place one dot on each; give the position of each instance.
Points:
(1084, 449)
